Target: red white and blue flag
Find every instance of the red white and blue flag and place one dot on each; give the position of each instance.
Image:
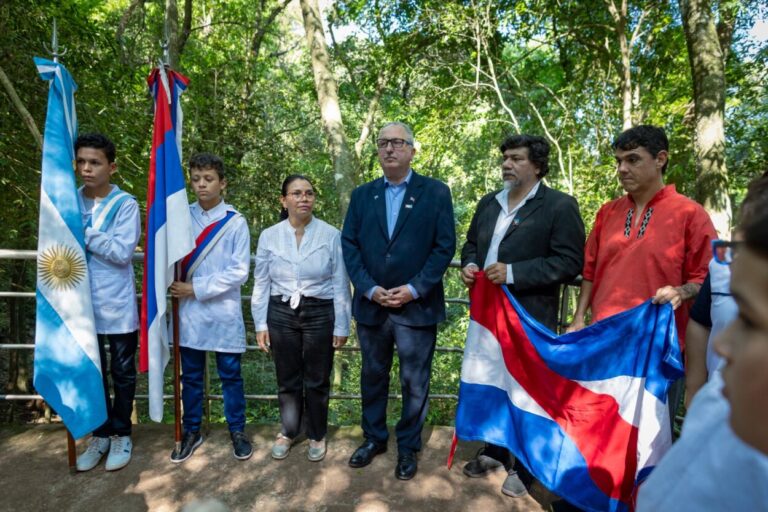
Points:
(585, 412)
(168, 228)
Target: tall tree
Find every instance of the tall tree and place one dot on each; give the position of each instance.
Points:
(705, 55)
(345, 163)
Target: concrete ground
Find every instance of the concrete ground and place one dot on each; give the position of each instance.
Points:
(34, 476)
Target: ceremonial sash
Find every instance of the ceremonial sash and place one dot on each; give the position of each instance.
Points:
(205, 241)
(106, 210)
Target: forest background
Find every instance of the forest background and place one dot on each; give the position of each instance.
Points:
(301, 86)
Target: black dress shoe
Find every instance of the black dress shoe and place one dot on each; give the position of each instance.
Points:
(406, 466)
(365, 454)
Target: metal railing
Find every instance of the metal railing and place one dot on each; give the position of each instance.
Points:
(10, 254)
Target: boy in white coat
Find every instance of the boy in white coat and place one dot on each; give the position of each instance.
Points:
(210, 309)
(112, 230)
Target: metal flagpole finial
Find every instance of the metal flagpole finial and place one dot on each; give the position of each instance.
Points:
(54, 49)
(165, 45)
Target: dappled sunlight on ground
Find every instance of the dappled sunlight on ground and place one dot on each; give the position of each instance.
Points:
(34, 476)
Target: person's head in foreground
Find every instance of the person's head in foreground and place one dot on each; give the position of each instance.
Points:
(744, 344)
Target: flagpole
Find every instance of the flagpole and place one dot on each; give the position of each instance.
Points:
(176, 373)
(71, 457)
(71, 447)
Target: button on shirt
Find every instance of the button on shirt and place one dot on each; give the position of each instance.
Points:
(394, 195)
(503, 221)
(213, 318)
(313, 269)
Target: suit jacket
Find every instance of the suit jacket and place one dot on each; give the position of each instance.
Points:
(422, 245)
(544, 244)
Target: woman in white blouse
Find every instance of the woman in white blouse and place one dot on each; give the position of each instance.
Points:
(301, 308)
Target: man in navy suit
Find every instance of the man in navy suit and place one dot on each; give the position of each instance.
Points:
(398, 239)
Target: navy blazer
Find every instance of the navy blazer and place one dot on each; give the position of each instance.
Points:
(421, 248)
(544, 244)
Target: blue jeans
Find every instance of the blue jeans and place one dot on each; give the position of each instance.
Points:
(192, 368)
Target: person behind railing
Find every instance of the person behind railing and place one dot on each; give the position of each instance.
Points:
(720, 461)
(531, 238)
(301, 311)
(714, 307)
(112, 230)
(210, 312)
(650, 243)
(398, 239)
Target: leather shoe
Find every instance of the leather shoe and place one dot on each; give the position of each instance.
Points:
(365, 454)
(406, 466)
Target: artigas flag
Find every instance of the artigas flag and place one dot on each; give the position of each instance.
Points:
(585, 412)
(168, 228)
(67, 368)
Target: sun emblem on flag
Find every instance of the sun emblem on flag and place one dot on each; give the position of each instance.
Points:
(61, 267)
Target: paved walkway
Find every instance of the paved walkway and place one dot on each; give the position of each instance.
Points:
(34, 476)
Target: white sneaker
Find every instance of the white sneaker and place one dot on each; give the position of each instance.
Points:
(90, 458)
(119, 453)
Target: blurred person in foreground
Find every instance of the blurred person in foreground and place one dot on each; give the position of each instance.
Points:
(720, 461)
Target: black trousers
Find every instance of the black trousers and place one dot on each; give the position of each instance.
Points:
(122, 368)
(302, 345)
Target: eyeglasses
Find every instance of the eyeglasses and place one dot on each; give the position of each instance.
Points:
(724, 251)
(298, 194)
(396, 143)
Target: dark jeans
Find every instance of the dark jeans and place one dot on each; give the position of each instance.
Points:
(302, 345)
(192, 368)
(122, 367)
(415, 348)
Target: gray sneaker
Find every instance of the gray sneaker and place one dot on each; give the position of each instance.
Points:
(481, 465)
(317, 450)
(89, 459)
(513, 486)
(281, 447)
(119, 453)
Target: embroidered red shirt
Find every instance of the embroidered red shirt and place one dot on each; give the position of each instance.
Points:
(627, 261)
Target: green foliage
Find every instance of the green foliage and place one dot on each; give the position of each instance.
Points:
(463, 74)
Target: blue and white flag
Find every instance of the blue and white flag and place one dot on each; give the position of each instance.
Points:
(67, 366)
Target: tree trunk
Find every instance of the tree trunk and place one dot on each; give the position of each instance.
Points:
(345, 164)
(620, 19)
(708, 72)
(172, 32)
(21, 109)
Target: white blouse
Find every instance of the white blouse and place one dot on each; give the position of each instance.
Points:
(313, 269)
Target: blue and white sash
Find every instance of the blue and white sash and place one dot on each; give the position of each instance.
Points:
(107, 209)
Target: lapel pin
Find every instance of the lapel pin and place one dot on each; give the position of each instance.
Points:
(376, 197)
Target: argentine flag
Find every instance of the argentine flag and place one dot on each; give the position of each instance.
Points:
(67, 368)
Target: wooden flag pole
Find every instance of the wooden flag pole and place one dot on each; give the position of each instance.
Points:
(176, 373)
(71, 454)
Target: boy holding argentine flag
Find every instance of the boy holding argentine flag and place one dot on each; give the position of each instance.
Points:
(112, 230)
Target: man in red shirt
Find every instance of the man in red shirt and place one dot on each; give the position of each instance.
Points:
(650, 243)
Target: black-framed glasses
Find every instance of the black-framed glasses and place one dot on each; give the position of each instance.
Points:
(724, 251)
(396, 143)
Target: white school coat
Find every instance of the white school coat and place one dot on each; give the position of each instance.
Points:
(110, 267)
(213, 318)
